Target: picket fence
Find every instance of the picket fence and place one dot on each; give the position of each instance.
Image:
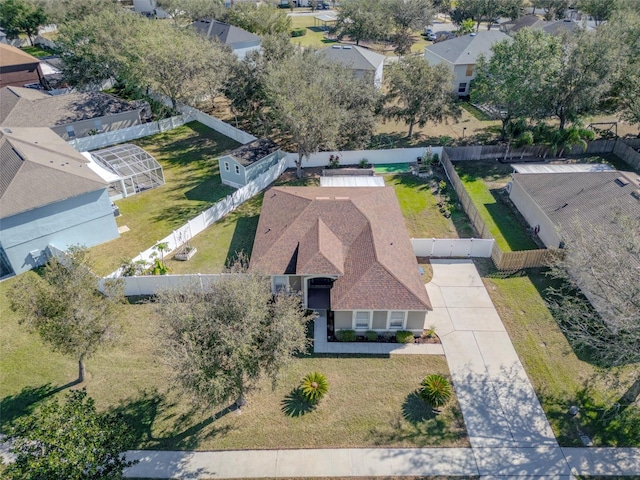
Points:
(114, 137)
(452, 247)
(182, 235)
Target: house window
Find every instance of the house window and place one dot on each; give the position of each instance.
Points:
(362, 320)
(280, 283)
(71, 132)
(226, 166)
(396, 320)
(469, 70)
(237, 170)
(462, 88)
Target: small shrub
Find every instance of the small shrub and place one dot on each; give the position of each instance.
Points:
(430, 332)
(435, 390)
(364, 163)
(404, 336)
(371, 336)
(442, 186)
(314, 387)
(346, 335)
(435, 159)
(298, 32)
(334, 161)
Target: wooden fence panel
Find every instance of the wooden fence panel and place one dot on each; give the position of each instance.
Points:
(630, 156)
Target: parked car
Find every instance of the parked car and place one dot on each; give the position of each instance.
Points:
(428, 31)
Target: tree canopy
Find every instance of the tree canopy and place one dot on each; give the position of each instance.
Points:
(20, 16)
(222, 339)
(261, 19)
(69, 440)
(65, 308)
(419, 93)
(363, 20)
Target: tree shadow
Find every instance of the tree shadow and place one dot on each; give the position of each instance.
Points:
(295, 404)
(24, 402)
(415, 410)
(243, 234)
(412, 181)
(140, 414)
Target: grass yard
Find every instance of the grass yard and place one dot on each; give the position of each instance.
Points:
(420, 211)
(371, 402)
(188, 155)
(484, 182)
(560, 377)
(37, 51)
(314, 37)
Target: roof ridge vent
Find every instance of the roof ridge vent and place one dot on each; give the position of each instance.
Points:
(622, 181)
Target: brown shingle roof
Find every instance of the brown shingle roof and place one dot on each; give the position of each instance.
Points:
(37, 168)
(24, 107)
(11, 56)
(358, 234)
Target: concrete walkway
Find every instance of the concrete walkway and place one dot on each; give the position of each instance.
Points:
(321, 345)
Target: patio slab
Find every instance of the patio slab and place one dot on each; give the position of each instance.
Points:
(441, 320)
(466, 297)
(464, 357)
(499, 356)
(456, 273)
(486, 319)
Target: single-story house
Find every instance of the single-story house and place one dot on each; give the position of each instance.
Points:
(552, 27)
(366, 65)
(246, 163)
(48, 195)
(71, 115)
(239, 40)
(347, 251)
(18, 68)
(461, 54)
(554, 203)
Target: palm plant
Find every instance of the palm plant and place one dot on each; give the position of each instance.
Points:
(314, 387)
(435, 390)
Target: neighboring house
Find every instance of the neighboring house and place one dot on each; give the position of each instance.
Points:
(18, 68)
(149, 8)
(48, 195)
(555, 203)
(347, 251)
(461, 54)
(366, 65)
(554, 27)
(72, 115)
(239, 40)
(246, 163)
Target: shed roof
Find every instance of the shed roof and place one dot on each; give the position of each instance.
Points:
(11, 56)
(37, 168)
(254, 151)
(465, 50)
(353, 56)
(357, 234)
(225, 33)
(585, 198)
(26, 107)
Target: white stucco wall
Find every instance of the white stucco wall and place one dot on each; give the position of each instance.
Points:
(459, 72)
(534, 215)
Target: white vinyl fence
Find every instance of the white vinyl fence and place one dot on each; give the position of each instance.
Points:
(452, 247)
(353, 157)
(152, 284)
(106, 139)
(196, 225)
(218, 125)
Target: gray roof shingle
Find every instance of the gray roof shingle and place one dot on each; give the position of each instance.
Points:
(254, 151)
(352, 56)
(37, 168)
(225, 33)
(465, 50)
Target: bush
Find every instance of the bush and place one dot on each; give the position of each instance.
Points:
(435, 159)
(404, 336)
(314, 387)
(364, 163)
(298, 32)
(371, 336)
(346, 335)
(435, 390)
(334, 161)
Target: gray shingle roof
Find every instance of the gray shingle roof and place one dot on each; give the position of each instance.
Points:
(225, 33)
(586, 198)
(37, 168)
(354, 57)
(251, 152)
(25, 107)
(356, 233)
(465, 50)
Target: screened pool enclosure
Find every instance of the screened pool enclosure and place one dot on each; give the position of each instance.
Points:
(128, 169)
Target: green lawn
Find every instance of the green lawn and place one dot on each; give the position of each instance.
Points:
(37, 51)
(369, 402)
(188, 155)
(560, 377)
(420, 210)
(314, 37)
(484, 182)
